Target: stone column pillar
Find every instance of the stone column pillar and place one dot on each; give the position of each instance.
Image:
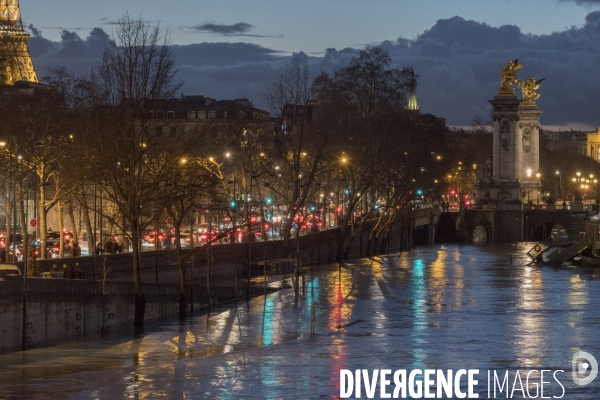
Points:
(529, 131)
(507, 150)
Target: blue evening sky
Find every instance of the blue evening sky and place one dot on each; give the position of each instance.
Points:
(310, 25)
(235, 48)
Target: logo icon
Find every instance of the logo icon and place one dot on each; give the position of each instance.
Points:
(582, 362)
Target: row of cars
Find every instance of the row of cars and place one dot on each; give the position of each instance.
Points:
(52, 244)
(202, 235)
(166, 240)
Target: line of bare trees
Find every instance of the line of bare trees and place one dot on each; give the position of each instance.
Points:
(349, 148)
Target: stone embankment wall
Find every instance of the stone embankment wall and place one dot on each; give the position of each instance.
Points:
(58, 308)
(317, 247)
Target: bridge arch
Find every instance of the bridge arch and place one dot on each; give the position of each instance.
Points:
(480, 226)
(538, 225)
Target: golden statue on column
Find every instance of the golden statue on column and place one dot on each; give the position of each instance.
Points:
(508, 77)
(529, 88)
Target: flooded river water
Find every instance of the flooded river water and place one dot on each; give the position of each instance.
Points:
(438, 307)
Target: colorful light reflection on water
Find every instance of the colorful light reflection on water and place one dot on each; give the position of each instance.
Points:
(434, 307)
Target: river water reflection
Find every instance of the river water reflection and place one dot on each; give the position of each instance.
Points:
(439, 307)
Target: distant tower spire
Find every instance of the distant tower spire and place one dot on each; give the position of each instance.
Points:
(15, 60)
(412, 99)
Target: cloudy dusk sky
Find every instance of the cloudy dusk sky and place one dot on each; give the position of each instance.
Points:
(230, 49)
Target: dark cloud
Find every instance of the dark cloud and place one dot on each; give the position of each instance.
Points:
(239, 29)
(473, 34)
(34, 31)
(456, 60)
(582, 2)
(225, 30)
(73, 52)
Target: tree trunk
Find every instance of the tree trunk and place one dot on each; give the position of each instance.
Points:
(208, 269)
(208, 258)
(42, 222)
(344, 223)
(22, 217)
(61, 226)
(341, 246)
(7, 240)
(140, 299)
(384, 240)
(179, 255)
(287, 245)
(73, 224)
(125, 245)
(32, 267)
(91, 236)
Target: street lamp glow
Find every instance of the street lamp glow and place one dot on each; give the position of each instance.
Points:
(528, 172)
(538, 175)
(2, 143)
(578, 174)
(557, 172)
(227, 155)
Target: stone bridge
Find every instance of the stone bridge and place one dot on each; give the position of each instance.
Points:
(534, 225)
(490, 225)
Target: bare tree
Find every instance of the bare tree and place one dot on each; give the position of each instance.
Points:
(192, 184)
(131, 157)
(301, 145)
(40, 124)
(366, 101)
